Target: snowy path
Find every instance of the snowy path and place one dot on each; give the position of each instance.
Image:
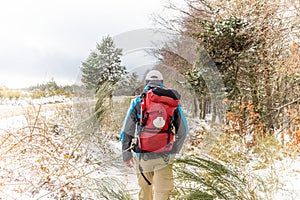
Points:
(12, 111)
(126, 175)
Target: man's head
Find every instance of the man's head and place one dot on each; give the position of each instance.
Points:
(154, 78)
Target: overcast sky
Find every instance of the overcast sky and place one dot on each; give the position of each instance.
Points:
(41, 39)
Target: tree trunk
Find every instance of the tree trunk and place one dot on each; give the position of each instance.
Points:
(195, 101)
(270, 122)
(214, 112)
(203, 107)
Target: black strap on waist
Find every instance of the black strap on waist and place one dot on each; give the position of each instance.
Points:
(141, 171)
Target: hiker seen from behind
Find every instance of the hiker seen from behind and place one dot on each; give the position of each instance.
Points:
(153, 133)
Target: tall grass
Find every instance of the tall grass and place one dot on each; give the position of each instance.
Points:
(208, 178)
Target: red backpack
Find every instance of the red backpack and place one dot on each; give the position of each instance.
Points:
(156, 122)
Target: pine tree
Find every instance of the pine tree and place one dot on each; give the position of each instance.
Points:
(103, 65)
(128, 85)
(133, 83)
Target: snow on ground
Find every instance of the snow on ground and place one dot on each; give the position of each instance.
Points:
(16, 122)
(287, 170)
(11, 187)
(126, 175)
(283, 173)
(283, 178)
(289, 179)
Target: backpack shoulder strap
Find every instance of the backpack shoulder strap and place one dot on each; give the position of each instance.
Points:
(166, 92)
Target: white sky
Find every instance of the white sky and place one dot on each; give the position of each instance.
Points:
(40, 39)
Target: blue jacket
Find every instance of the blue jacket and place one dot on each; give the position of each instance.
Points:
(131, 125)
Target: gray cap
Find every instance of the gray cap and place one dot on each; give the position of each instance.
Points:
(154, 78)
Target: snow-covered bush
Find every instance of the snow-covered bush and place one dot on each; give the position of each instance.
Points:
(55, 157)
(268, 168)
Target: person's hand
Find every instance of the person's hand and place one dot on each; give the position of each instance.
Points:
(129, 163)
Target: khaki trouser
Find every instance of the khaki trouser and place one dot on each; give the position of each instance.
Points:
(160, 175)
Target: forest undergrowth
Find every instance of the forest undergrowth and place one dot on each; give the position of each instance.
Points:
(65, 154)
(58, 154)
